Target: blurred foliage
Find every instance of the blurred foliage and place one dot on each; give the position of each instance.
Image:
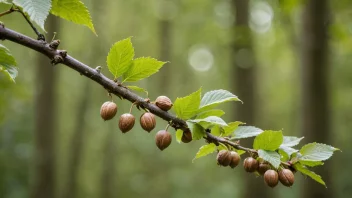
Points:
(201, 38)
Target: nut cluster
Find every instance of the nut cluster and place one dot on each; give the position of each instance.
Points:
(228, 158)
(271, 177)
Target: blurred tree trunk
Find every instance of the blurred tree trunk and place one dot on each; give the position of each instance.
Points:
(315, 91)
(45, 115)
(165, 52)
(77, 144)
(108, 187)
(244, 69)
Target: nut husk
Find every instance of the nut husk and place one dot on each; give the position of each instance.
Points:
(147, 121)
(163, 139)
(250, 164)
(163, 103)
(108, 110)
(126, 122)
(263, 167)
(224, 158)
(186, 136)
(286, 177)
(235, 159)
(271, 178)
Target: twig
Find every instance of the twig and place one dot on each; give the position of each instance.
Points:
(40, 36)
(108, 84)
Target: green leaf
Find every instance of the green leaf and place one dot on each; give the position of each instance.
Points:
(179, 134)
(197, 131)
(187, 107)
(213, 98)
(205, 150)
(299, 167)
(288, 150)
(222, 147)
(4, 1)
(291, 141)
(231, 127)
(268, 140)
(311, 163)
(246, 132)
(142, 68)
(139, 89)
(37, 10)
(213, 112)
(73, 10)
(316, 152)
(209, 121)
(271, 156)
(284, 156)
(120, 57)
(7, 63)
(217, 130)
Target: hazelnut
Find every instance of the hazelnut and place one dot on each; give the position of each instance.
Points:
(271, 178)
(108, 110)
(147, 121)
(163, 139)
(250, 164)
(235, 159)
(126, 122)
(286, 177)
(186, 136)
(263, 167)
(224, 158)
(163, 103)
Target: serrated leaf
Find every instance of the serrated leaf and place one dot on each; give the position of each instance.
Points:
(142, 68)
(271, 156)
(316, 152)
(291, 141)
(136, 88)
(179, 134)
(73, 10)
(299, 167)
(37, 10)
(197, 131)
(205, 150)
(213, 112)
(213, 98)
(7, 63)
(311, 163)
(231, 127)
(209, 121)
(268, 140)
(120, 57)
(246, 132)
(187, 107)
(288, 150)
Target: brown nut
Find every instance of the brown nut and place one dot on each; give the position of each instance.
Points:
(147, 121)
(250, 164)
(263, 167)
(108, 110)
(163, 139)
(286, 177)
(235, 159)
(126, 122)
(224, 158)
(271, 178)
(163, 103)
(186, 136)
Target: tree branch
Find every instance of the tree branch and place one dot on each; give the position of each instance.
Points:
(111, 86)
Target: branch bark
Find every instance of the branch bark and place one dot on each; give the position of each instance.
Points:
(111, 86)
